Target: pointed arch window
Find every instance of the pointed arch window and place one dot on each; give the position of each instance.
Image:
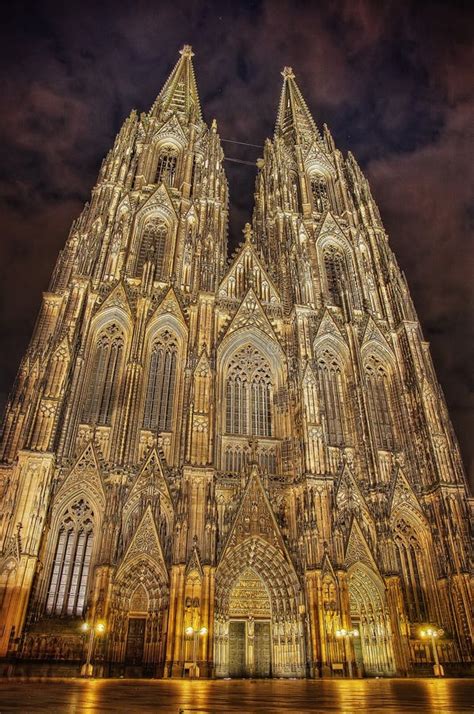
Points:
(319, 190)
(411, 561)
(153, 246)
(71, 564)
(161, 384)
(332, 394)
(334, 266)
(378, 395)
(166, 166)
(105, 376)
(249, 395)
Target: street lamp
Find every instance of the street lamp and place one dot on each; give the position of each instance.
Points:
(433, 633)
(195, 634)
(347, 635)
(97, 629)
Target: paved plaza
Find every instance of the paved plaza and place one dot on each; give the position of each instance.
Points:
(74, 696)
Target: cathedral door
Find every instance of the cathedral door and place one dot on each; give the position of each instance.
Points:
(135, 640)
(237, 648)
(262, 650)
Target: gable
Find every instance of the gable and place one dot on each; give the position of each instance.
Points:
(247, 271)
(145, 542)
(149, 481)
(117, 298)
(251, 314)
(357, 550)
(255, 518)
(84, 477)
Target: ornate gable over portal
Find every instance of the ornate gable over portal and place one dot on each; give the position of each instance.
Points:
(146, 542)
(255, 517)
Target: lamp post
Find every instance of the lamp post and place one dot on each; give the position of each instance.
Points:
(347, 635)
(195, 634)
(96, 629)
(433, 633)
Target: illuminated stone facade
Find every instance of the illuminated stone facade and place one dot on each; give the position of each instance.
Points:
(258, 447)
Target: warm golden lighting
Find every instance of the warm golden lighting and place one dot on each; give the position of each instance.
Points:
(189, 631)
(100, 627)
(85, 626)
(203, 631)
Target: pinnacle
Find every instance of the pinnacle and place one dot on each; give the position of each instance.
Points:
(187, 51)
(247, 231)
(288, 73)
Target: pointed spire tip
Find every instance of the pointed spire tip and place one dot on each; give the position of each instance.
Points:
(187, 51)
(288, 73)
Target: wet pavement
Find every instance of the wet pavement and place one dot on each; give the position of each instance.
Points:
(74, 696)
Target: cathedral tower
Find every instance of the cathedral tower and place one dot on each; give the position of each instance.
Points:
(230, 464)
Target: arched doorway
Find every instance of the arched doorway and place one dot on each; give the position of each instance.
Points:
(138, 623)
(258, 628)
(250, 615)
(373, 649)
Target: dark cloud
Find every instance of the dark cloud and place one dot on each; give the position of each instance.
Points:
(393, 81)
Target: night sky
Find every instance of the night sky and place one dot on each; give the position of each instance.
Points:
(392, 80)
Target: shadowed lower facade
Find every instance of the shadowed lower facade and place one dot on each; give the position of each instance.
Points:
(230, 462)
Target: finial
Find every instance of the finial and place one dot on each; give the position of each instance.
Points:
(253, 444)
(288, 73)
(214, 126)
(247, 233)
(187, 51)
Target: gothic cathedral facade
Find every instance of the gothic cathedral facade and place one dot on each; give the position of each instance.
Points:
(230, 463)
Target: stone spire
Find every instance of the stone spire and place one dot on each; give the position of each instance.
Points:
(294, 117)
(180, 93)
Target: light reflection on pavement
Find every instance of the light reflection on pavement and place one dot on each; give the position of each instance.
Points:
(74, 696)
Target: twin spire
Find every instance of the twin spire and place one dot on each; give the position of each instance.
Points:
(180, 95)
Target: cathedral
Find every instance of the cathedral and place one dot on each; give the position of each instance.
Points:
(230, 467)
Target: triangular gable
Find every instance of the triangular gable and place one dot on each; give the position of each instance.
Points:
(330, 225)
(117, 298)
(245, 252)
(63, 344)
(348, 492)
(194, 562)
(251, 314)
(372, 333)
(315, 154)
(150, 476)
(85, 474)
(308, 375)
(145, 542)
(401, 493)
(327, 568)
(255, 518)
(170, 305)
(160, 198)
(357, 550)
(203, 364)
(173, 128)
(328, 326)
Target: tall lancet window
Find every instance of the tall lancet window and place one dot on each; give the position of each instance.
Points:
(105, 375)
(161, 384)
(332, 394)
(166, 166)
(71, 564)
(334, 265)
(319, 189)
(249, 395)
(152, 246)
(411, 559)
(378, 395)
